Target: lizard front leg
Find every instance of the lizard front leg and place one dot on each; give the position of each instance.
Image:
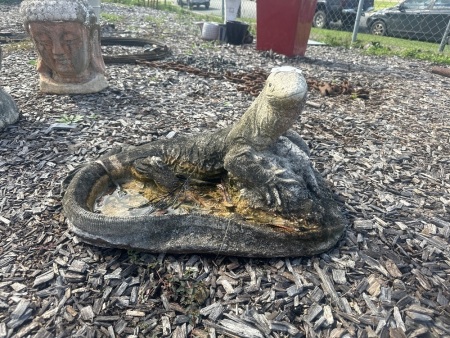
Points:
(281, 186)
(153, 168)
(296, 139)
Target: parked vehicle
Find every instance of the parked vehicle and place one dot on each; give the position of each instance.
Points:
(328, 11)
(413, 19)
(192, 3)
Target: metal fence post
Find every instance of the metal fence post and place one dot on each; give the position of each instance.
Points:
(223, 10)
(444, 38)
(95, 4)
(358, 18)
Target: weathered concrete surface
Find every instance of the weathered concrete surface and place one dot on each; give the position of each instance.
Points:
(260, 155)
(67, 39)
(9, 113)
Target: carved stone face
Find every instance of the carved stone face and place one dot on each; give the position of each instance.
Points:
(64, 48)
(67, 38)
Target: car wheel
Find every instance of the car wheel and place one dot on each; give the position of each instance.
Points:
(320, 19)
(207, 5)
(378, 27)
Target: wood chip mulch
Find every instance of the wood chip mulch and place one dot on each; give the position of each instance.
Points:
(387, 157)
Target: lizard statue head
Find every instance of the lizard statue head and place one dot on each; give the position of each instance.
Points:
(274, 111)
(286, 88)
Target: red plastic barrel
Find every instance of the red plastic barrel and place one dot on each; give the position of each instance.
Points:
(284, 25)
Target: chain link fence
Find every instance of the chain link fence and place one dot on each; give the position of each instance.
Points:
(425, 20)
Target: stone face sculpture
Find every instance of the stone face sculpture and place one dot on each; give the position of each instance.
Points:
(259, 160)
(9, 113)
(67, 38)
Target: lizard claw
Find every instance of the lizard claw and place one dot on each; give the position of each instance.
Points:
(277, 196)
(287, 193)
(288, 181)
(279, 171)
(273, 196)
(276, 179)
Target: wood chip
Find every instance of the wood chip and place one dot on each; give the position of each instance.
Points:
(134, 313)
(313, 312)
(420, 317)
(363, 225)
(392, 268)
(21, 313)
(339, 276)
(5, 220)
(87, 313)
(328, 286)
(240, 329)
(180, 332)
(44, 278)
(385, 156)
(328, 315)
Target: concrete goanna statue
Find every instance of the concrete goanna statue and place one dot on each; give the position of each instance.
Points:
(267, 162)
